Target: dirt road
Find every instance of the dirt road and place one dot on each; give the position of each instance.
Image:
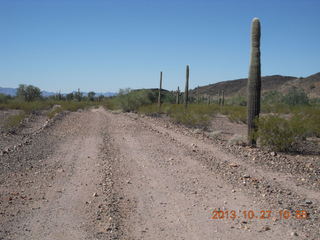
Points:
(100, 175)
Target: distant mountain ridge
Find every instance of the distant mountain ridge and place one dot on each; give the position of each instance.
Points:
(13, 92)
(310, 84)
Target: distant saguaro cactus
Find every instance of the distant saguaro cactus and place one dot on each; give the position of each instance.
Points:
(222, 100)
(254, 81)
(219, 97)
(198, 97)
(159, 96)
(186, 90)
(178, 96)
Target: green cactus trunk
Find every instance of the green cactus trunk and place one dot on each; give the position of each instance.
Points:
(219, 98)
(159, 96)
(222, 101)
(254, 81)
(178, 96)
(198, 97)
(186, 90)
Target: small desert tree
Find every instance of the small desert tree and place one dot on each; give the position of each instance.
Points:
(69, 96)
(91, 96)
(28, 92)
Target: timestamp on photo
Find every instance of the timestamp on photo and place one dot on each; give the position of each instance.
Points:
(261, 214)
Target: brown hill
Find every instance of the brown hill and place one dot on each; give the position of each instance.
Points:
(310, 84)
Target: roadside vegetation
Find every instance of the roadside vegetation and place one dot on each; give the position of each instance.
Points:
(30, 100)
(286, 119)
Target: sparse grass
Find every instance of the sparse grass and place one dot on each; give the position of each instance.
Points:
(27, 107)
(14, 120)
(237, 139)
(30, 107)
(55, 111)
(279, 131)
(196, 115)
(235, 113)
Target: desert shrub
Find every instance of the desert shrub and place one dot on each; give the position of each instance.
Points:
(237, 139)
(237, 100)
(111, 104)
(74, 105)
(235, 113)
(309, 118)
(296, 96)
(279, 134)
(28, 107)
(129, 100)
(52, 113)
(271, 97)
(276, 108)
(215, 134)
(191, 118)
(150, 109)
(4, 98)
(14, 120)
(197, 115)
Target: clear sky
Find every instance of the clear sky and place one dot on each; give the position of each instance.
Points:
(104, 45)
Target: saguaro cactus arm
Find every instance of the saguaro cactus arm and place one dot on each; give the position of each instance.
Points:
(254, 81)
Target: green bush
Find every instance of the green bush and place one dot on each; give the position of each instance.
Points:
(272, 97)
(296, 96)
(191, 118)
(235, 113)
(196, 115)
(14, 120)
(279, 134)
(130, 100)
(52, 113)
(237, 100)
(4, 98)
(310, 120)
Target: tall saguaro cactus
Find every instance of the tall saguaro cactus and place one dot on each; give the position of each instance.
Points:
(159, 96)
(254, 81)
(178, 96)
(186, 90)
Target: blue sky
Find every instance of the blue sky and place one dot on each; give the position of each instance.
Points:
(104, 45)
